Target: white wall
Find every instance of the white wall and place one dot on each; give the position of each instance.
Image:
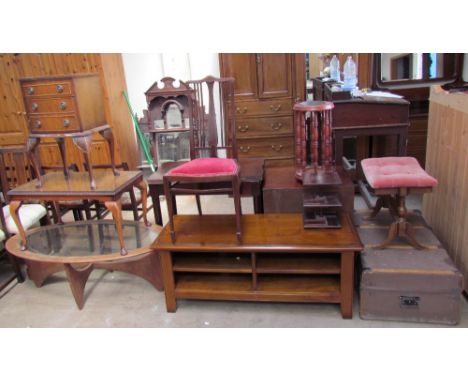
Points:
(143, 69)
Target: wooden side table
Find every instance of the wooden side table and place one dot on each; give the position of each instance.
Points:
(55, 187)
(278, 260)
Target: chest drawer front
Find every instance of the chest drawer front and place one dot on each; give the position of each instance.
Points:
(47, 88)
(50, 105)
(54, 123)
(266, 148)
(277, 107)
(255, 127)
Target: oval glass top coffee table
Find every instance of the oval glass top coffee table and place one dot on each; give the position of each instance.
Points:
(80, 247)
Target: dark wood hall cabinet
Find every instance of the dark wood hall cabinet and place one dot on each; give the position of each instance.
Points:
(267, 85)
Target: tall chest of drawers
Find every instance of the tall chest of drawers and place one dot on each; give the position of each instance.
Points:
(267, 85)
(65, 104)
(62, 107)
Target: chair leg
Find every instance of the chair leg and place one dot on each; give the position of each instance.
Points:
(197, 198)
(87, 211)
(134, 204)
(378, 206)
(237, 207)
(170, 206)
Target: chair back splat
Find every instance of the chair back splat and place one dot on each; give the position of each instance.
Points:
(213, 132)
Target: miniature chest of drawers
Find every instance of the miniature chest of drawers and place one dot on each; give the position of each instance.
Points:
(62, 107)
(65, 104)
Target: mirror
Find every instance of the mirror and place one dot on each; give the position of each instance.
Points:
(419, 67)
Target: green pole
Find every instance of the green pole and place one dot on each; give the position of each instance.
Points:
(140, 135)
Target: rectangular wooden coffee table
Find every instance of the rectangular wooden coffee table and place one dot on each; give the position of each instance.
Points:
(278, 260)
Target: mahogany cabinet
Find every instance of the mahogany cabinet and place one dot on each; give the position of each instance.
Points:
(267, 85)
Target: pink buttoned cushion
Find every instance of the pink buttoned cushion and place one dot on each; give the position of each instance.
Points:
(206, 167)
(394, 172)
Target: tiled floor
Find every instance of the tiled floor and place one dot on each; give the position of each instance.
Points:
(120, 300)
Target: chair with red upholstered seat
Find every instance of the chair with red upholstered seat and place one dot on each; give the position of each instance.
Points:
(392, 179)
(214, 168)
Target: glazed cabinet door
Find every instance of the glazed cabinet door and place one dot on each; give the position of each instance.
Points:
(243, 67)
(274, 75)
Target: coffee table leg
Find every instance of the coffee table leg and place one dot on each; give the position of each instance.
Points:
(116, 209)
(147, 267)
(168, 278)
(14, 207)
(77, 279)
(347, 284)
(38, 271)
(143, 187)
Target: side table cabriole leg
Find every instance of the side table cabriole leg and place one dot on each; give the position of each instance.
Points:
(84, 144)
(14, 207)
(31, 148)
(115, 207)
(108, 135)
(143, 187)
(77, 279)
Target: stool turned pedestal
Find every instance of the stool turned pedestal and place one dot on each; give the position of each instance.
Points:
(392, 179)
(314, 140)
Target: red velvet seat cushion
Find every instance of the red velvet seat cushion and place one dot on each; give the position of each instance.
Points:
(394, 172)
(206, 167)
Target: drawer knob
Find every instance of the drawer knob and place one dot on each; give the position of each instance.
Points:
(277, 148)
(276, 126)
(30, 90)
(59, 88)
(275, 108)
(241, 111)
(243, 129)
(245, 149)
(34, 106)
(38, 124)
(66, 122)
(62, 105)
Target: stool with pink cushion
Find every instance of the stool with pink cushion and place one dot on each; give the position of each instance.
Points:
(392, 179)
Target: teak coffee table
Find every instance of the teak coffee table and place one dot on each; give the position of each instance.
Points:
(80, 247)
(278, 260)
(55, 187)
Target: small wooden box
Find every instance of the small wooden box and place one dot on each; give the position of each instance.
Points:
(63, 104)
(337, 95)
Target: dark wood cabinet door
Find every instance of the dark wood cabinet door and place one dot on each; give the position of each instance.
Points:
(241, 66)
(274, 75)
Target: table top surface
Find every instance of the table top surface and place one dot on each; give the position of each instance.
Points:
(251, 170)
(84, 242)
(78, 185)
(260, 233)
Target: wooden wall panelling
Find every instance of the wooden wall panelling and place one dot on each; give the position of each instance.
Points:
(446, 208)
(13, 124)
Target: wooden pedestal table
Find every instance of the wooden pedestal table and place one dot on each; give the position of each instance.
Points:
(55, 187)
(80, 247)
(251, 177)
(278, 260)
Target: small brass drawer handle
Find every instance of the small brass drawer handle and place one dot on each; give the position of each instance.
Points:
(34, 106)
(245, 149)
(66, 122)
(62, 105)
(241, 111)
(243, 129)
(59, 88)
(275, 108)
(277, 148)
(38, 124)
(30, 90)
(276, 126)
